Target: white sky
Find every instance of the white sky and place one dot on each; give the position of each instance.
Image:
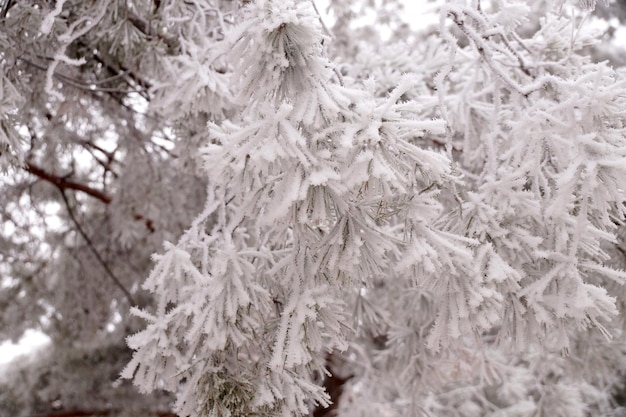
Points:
(31, 341)
(414, 12)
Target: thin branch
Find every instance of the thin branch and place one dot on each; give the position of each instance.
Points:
(483, 50)
(106, 267)
(88, 86)
(67, 184)
(143, 27)
(131, 77)
(520, 60)
(5, 8)
(94, 413)
(621, 250)
(330, 35)
(106, 165)
(89, 144)
(111, 78)
(319, 16)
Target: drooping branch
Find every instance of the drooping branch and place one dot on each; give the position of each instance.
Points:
(102, 262)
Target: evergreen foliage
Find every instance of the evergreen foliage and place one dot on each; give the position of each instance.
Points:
(432, 220)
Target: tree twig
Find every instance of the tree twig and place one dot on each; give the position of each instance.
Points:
(319, 17)
(106, 267)
(144, 27)
(67, 184)
(87, 86)
(5, 8)
(64, 183)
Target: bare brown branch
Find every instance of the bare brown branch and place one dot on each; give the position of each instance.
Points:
(64, 183)
(67, 184)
